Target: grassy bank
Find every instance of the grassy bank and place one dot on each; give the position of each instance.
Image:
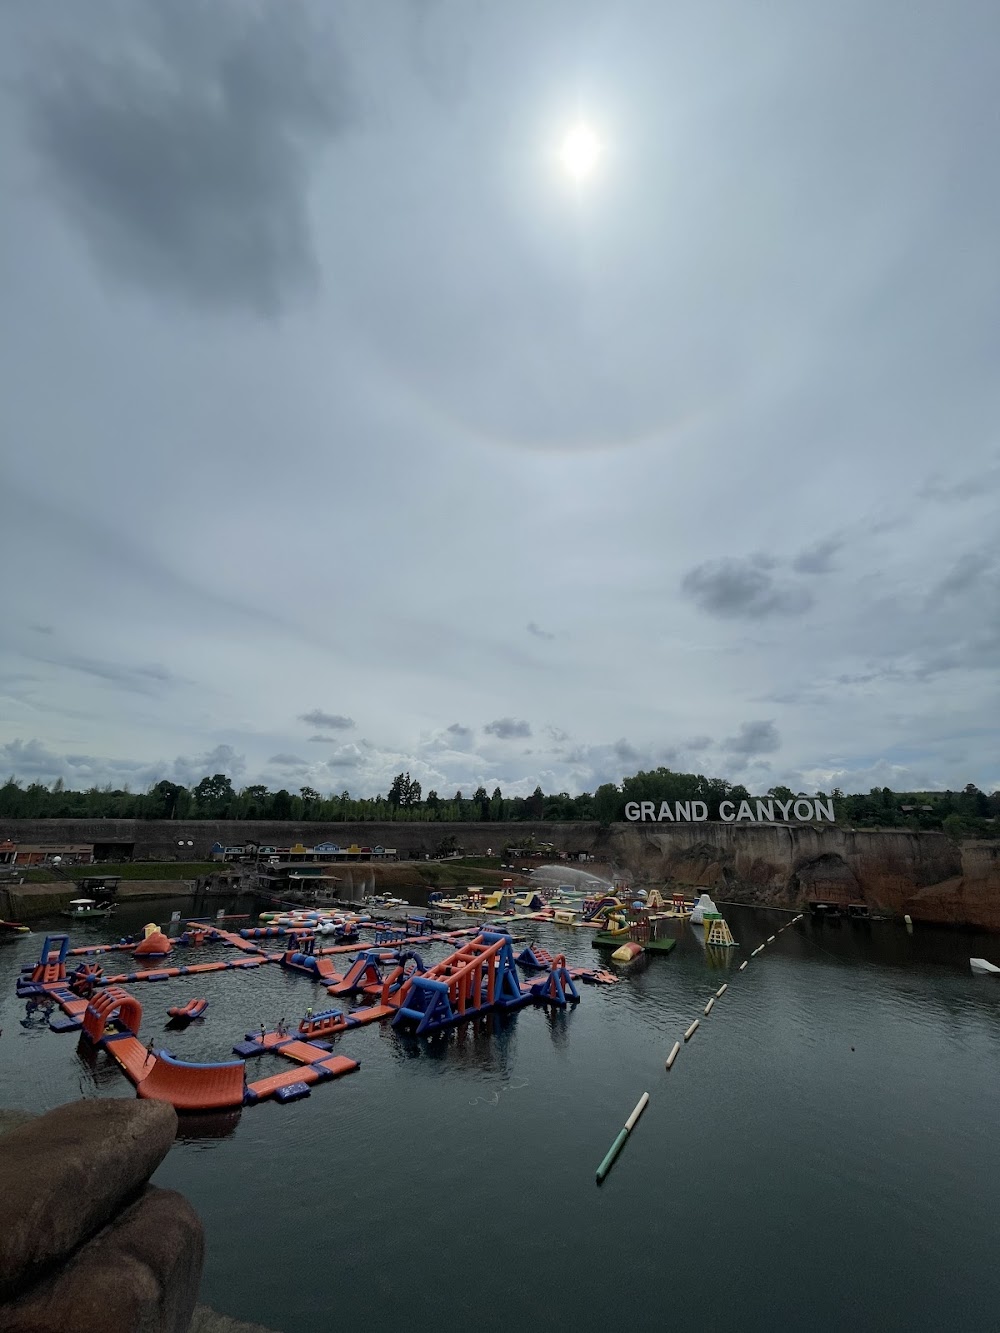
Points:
(130, 870)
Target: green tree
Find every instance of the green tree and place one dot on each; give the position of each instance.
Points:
(607, 804)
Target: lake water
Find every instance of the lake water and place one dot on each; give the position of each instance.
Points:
(824, 1154)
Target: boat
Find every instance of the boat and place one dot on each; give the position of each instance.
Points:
(85, 908)
(982, 965)
(15, 927)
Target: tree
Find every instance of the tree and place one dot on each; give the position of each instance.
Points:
(607, 803)
(536, 804)
(211, 794)
(433, 800)
(281, 805)
(482, 802)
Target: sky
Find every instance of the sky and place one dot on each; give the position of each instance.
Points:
(345, 432)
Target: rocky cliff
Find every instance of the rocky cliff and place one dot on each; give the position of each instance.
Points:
(895, 871)
(924, 874)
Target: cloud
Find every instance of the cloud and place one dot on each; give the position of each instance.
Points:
(970, 487)
(754, 738)
(697, 743)
(181, 145)
(137, 679)
(625, 752)
(292, 762)
(538, 632)
(732, 588)
(347, 756)
(332, 721)
(456, 729)
(43, 629)
(970, 571)
(816, 559)
(30, 759)
(220, 759)
(506, 728)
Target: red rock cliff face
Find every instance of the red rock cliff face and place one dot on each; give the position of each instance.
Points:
(924, 874)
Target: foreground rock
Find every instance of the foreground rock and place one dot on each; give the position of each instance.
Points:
(66, 1174)
(138, 1275)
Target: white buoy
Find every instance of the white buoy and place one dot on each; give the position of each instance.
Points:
(724, 987)
(708, 1007)
(770, 939)
(640, 1106)
(745, 963)
(757, 951)
(908, 919)
(673, 1053)
(692, 1030)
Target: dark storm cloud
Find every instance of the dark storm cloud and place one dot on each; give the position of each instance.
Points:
(733, 588)
(538, 632)
(754, 738)
(183, 150)
(506, 728)
(331, 721)
(816, 559)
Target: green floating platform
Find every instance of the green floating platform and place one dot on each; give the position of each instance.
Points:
(604, 940)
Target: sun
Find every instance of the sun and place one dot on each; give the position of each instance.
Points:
(580, 152)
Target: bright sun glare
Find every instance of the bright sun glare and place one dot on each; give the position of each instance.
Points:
(580, 152)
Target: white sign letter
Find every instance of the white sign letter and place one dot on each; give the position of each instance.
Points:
(824, 810)
(683, 809)
(665, 811)
(723, 807)
(632, 810)
(648, 810)
(744, 811)
(784, 807)
(699, 810)
(765, 812)
(803, 805)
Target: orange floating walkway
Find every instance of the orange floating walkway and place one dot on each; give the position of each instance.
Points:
(132, 1056)
(332, 1067)
(303, 1052)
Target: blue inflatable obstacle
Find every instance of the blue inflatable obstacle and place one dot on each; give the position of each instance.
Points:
(479, 976)
(558, 987)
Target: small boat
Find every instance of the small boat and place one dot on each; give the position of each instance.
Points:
(982, 965)
(15, 927)
(85, 908)
(185, 1012)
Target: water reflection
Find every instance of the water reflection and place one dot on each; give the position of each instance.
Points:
(197, 1126)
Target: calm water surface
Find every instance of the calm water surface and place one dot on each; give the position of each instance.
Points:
(824, 1154)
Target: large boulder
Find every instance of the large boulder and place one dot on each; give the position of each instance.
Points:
(139, 1275)
(64, 1175)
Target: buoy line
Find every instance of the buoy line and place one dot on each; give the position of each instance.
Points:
(623, 1133)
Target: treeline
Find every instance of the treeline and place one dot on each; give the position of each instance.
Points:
(966, 813)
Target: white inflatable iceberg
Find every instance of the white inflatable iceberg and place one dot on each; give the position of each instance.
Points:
(981, 965)
(703, 905)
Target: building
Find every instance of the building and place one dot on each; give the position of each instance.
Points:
(300, 854)
(24, 855)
